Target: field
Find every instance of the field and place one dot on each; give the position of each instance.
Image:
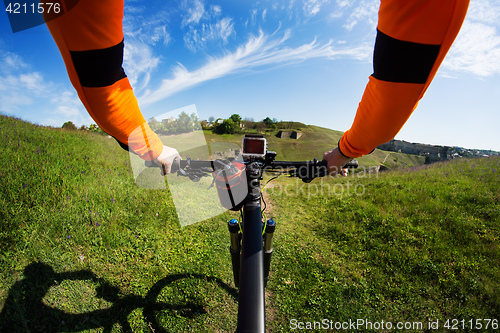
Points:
(315, 141)
(84, 249)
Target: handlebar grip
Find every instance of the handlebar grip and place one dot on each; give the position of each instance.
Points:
(352, 164)
(322, 163)
(176, 164)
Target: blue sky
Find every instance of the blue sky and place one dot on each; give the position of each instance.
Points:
(300, 60)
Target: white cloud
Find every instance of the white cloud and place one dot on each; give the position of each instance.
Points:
(28, 95)
(217, 10)
(66, 106)
(198, 37)
(194, 12)
(253, 15)
(335, 15)
(148, 29)
(476, 50)
(366, 11)
(32, 82)
(204, 27)
(224, 28)
(22, 89)
(257, 52)
(160, 34)
(313, 7)
(11, 62)
(139, 62)
(484, 11)
(343, 3)
(355, 12)
(477, 47)
(142, 34)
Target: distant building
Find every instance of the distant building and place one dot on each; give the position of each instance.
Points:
(168, 120)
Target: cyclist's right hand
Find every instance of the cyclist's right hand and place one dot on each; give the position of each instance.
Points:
(167, 157)
(335, 161)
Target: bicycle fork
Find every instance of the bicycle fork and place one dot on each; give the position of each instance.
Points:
(235, 248)
(268, 247)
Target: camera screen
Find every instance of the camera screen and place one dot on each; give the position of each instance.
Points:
(254, 146)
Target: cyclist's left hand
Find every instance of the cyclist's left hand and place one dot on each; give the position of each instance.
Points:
(166, 159)
(335, 162)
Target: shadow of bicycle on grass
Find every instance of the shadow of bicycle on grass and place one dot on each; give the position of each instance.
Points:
(26, 308)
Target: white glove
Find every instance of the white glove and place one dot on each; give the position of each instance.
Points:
(166, 159)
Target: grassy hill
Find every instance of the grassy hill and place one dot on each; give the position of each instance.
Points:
(415, 245)
(82, 248)
(314, 142)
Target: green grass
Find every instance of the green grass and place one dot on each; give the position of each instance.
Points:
(418, 244)
(83, 248)
(314, 142)
(70, 210)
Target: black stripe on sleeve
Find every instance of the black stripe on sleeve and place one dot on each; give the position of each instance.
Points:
(99, 68)
(124, 146)
(400, 61)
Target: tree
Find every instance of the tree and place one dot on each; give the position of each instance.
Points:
(204, 124)
(268, 122)
(259, 126)
(96, 129)
(170, 127)
(195, 122)
(69, 126)
(228, 126)
(155, 125)
(211, 119)
(236, 118)
(248, 123)
(184, 123)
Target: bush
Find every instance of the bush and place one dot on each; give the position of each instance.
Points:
(236, 118)
(228, 126)
(69, 126)
(168, 126)
(96, 129)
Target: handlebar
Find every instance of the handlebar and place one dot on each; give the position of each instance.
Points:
(305, 170)
(218, 164)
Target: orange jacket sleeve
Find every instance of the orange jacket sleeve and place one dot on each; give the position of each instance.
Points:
(90, 39)
(413, 37)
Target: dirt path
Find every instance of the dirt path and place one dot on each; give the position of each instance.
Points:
(269, 204)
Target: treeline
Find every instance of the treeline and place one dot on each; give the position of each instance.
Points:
(183, 124)
(235, 124)
(188, 123)
(69, 125)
